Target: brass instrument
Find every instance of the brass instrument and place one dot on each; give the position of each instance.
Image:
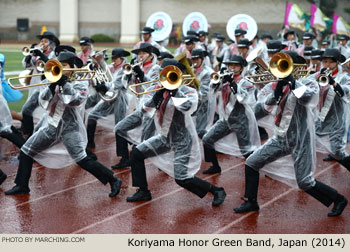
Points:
(128, 68)
(302, 71)
(53, 71)
(170, 78)
(29, 51)
(281, 66)
(216, 77)
(256, 63)
(323, 80)
(102, 74)
(255, 56)
(182, 58)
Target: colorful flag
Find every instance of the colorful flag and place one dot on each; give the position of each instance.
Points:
(319, 20)
(339, 25)
(295, 17)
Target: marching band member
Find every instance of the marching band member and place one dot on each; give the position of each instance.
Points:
(342, 40)
(137, 121)
(203, 112)
(146, 33)
(118, 60)
(290, 39)
(118, 106)
(233, 49)
(307, 55)
(48, 43)
(308, 38)
(294, 134)
(87, 49)
(236, 132)
(164, 55)
(203, 41)
(176, 137)
(325, 44)
(64, 100)
(243, 46)
(190, 45)
(273, 47)
(217, 54)
(316, 59)
(333, 109)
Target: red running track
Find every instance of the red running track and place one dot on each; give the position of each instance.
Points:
(70, 200)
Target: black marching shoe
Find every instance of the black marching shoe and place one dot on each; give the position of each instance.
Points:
(338, 207)
(140, 195)
(115, 187)
(328, 158)
(219, 197)
(212, 170)
(3, 178)
(247, 206)
(17, 190)
(123, 163)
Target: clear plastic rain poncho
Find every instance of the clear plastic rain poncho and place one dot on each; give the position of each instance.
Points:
(203, 115)
(236, 119)
(265, 118)
(5, 114)
(115, 110)
(61, 139)
(31, 106)
(333, 117)
(137, 126)
(151, 73)
(290, 155)
(174, 148)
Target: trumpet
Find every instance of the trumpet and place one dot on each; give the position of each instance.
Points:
(53, 71)
(128, 68)
(323, 80)
(216, 77)
(29, 51)
(170, 78)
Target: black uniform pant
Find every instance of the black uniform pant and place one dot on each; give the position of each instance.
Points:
(222, 129)
(156, 146)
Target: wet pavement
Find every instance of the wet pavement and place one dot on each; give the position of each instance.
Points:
(70, 200)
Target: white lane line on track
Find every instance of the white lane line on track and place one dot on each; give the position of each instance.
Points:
(146, 203)
(266, 204)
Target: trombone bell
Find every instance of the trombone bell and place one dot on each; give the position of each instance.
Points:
(281, 65)
(171, 77)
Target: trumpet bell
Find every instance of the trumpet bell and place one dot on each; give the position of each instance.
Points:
(215, 77)
(127, 69)
(171, 77)
(281, 65)
(53, 70)
(25, 51)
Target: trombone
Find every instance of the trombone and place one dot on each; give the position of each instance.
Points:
(281, 66)
(53, 71)
(170, 78)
